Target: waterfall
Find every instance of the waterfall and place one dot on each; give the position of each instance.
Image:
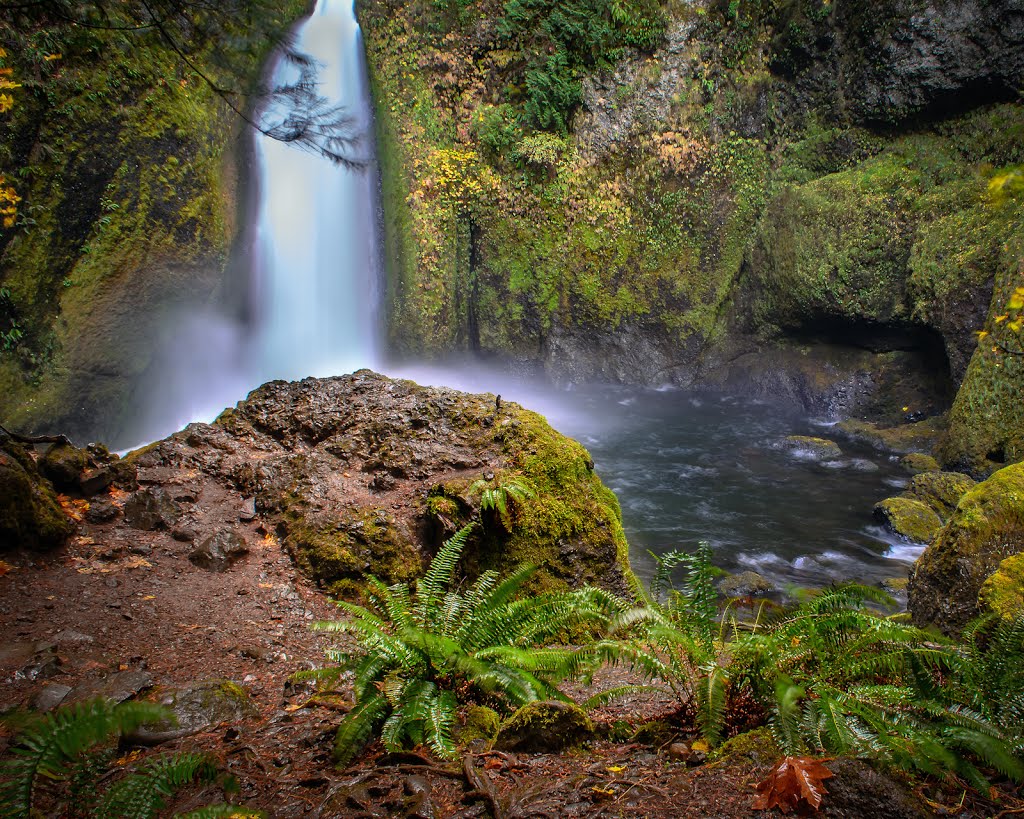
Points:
(314, 255)
(317, 223)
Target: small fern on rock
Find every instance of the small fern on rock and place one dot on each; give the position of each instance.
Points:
(423, 652)
(501, 496)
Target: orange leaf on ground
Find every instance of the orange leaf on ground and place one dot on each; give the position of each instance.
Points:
(795, 783)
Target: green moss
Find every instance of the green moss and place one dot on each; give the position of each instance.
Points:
(758, 746)
(479, 723)
(917, 462)
(909, 518)
(339, 553)
(30, 516)
(940, 491)
(920, 436)
(572, 526)
(986, 527)
(1003, 592)
(545, 726)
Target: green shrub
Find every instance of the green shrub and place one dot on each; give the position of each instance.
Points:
(61, 757)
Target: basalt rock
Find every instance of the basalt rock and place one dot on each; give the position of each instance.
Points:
(362, 474)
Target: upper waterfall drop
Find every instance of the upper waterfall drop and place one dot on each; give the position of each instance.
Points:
(316, 255)
(312, 250)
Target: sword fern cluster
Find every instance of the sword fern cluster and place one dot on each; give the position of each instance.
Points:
(836, 675)
(421, 653)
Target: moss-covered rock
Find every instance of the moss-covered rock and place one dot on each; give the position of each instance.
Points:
(941, 491)
(757, 746)
(63, 464)
(918, 436)
(1003, 592)
(986, 528)
(362, 474)
(806, 446)
(917, 462)
(909, 518)
(30, 515)
(545, 727)
(478, 723)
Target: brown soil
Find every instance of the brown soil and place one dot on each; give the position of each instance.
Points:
(145, 606)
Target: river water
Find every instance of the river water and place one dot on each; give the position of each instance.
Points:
(692, 467)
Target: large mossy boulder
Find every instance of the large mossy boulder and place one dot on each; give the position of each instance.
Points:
(30, 515)
(986, 528)
(362, 474)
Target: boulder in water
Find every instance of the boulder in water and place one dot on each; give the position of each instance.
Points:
(910, 519)
(745, 584)
(817, 449)
(941, 491)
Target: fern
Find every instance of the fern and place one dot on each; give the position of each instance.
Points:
(73, 745)
(48, 748)
(142, 794)
(420, 654)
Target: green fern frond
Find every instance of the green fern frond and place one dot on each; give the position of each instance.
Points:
(441, 723)
(711, 700)
(141, 795)
(47, 747)
(785, 723)
(357, 728)
(432, 586)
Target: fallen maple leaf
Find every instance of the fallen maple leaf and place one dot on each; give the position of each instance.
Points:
(795, 783)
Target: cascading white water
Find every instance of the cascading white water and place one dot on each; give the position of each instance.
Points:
(314, 256)
(317, 223)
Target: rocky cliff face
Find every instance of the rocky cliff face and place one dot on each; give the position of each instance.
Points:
(791, 188)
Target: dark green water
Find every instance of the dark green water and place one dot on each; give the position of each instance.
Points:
(688, 468)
